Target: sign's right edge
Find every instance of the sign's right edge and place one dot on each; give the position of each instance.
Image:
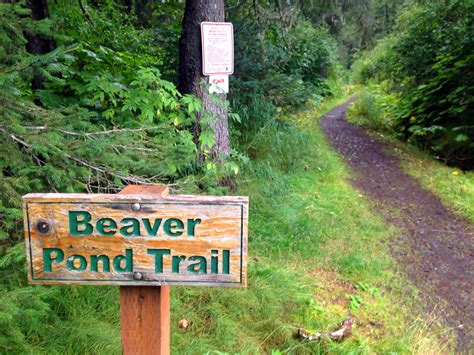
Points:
(245, 219)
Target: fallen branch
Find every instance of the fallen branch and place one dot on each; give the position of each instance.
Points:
(337, 335)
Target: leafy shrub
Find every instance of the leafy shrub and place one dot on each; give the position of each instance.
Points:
(375, 109)
(429, 60)
(312, 55)
(376, 64)
(366, 110)
(104, 118)
(435, 55)
(286, 66)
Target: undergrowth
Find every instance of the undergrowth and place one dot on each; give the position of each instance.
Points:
(317, 256)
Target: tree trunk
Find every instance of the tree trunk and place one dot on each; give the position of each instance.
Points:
(191, 80)
(38, 44)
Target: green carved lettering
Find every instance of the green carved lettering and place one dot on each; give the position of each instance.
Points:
(106, 226)
(95, 263)
(127, 260)
(175, 261)
(75, 223)
(172, 224)
(152, 230)
(200, 267)
(132, 229)
(225, 262)
(192, 223)
(214, 261)
(158, 253)
(49, 259)
(71, 263)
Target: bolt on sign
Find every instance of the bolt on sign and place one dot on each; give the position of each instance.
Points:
(136, 239)
(217, 40)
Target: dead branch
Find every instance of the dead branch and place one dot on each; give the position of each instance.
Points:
(337, 335)
(98, 133)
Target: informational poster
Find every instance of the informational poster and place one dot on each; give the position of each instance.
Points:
(217, 40)
(218, 84)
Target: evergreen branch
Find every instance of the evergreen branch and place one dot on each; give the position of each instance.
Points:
(128, 147)
(15, 138)
(128, 179)
(86, 13)
(97, 133)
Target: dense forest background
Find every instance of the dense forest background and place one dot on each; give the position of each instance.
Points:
(89, 103)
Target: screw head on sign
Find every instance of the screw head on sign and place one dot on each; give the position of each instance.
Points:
(137, 276)
(136, 207)
(43, 227)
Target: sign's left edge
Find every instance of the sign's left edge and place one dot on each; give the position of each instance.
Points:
(26, 233)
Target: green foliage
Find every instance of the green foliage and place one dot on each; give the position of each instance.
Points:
(375, 65)
(428, 62)
(375, 109)
(104, 118)
(356, 25)
(287, 64)
(96, 131)
(439, 94)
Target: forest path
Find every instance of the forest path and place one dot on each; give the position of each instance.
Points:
(435, 247)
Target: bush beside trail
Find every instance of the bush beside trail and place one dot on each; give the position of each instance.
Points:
(427, 62)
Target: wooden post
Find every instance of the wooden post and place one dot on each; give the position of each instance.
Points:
(145, 310)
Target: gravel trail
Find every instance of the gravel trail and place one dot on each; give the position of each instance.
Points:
(435, 247)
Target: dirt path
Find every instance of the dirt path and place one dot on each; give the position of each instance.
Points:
(436, 247)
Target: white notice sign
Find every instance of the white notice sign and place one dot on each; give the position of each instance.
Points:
(217, 40)
(218, 84)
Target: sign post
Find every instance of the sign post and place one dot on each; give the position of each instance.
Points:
(145, 310)
(142, 239)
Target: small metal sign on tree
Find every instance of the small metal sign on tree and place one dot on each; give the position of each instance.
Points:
(141, 237)
(217, 40)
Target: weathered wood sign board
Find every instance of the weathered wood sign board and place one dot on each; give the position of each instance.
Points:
(136, 239)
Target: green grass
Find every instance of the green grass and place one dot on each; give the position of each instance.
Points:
(453, 186)
(318, 254)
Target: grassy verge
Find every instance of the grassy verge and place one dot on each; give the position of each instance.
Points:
(453, 186)
(318, 255)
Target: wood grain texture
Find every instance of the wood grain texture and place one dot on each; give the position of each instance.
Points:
(224, 225)
(145, 317)
(145, 310)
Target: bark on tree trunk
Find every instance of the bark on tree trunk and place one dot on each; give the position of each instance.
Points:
(38, 44)
(191, 80)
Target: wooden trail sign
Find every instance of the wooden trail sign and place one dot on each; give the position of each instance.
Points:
(142, 239)
(137, 239)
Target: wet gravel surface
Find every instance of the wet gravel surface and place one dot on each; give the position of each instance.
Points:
(436, 247)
